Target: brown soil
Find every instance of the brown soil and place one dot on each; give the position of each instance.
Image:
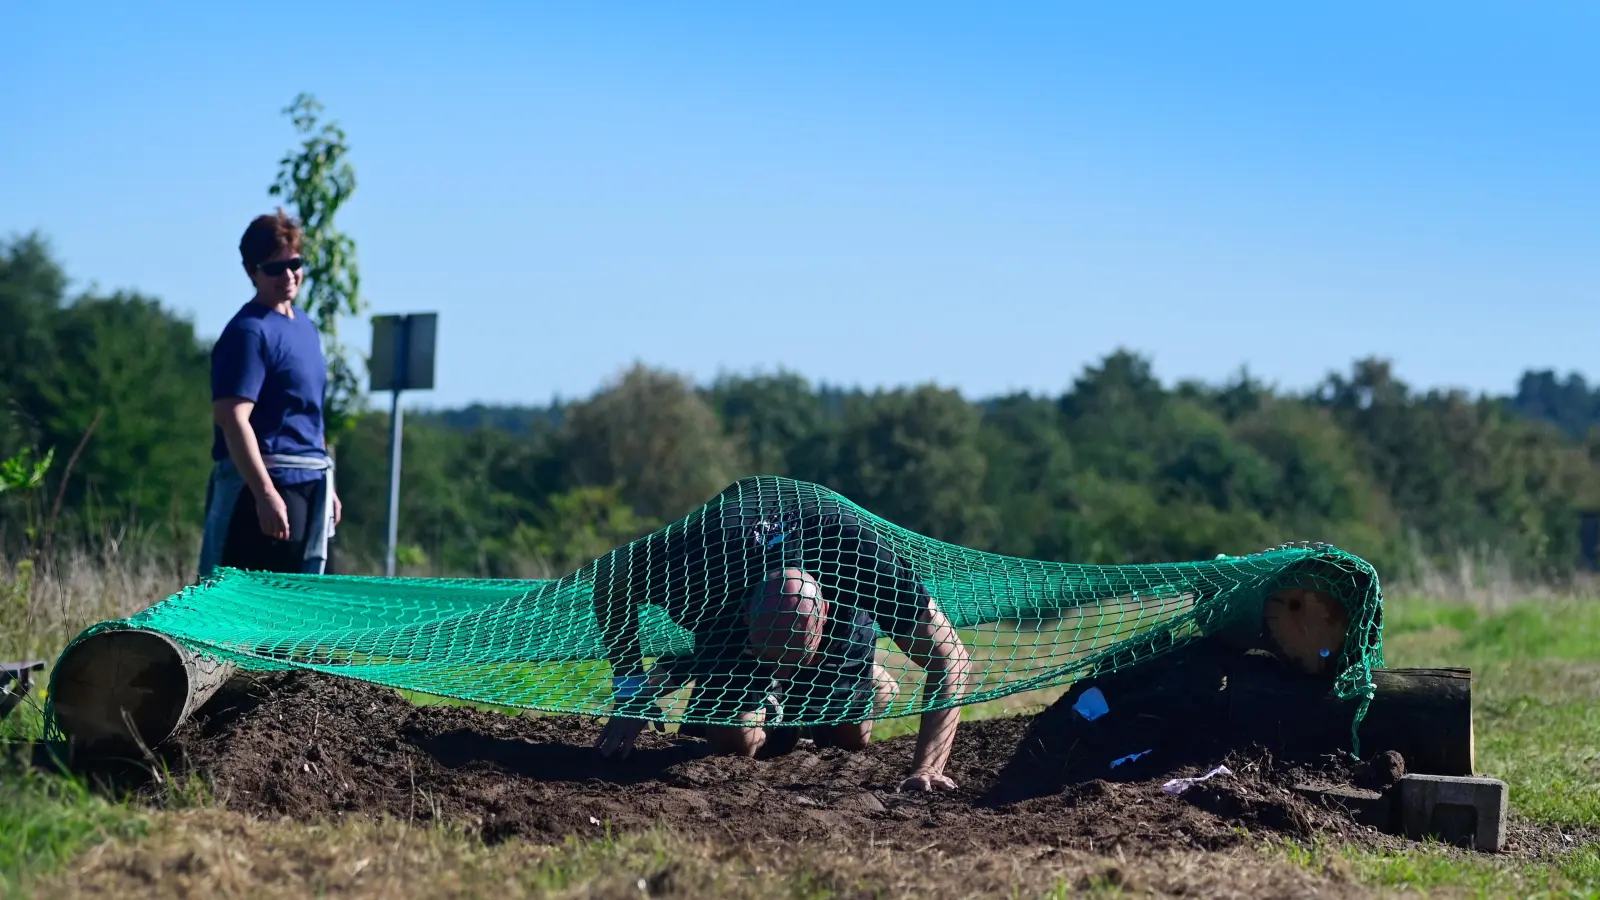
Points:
(311, 747)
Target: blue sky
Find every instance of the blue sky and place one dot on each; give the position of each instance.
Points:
(987, 196)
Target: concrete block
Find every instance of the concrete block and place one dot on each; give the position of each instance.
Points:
(1466, 811)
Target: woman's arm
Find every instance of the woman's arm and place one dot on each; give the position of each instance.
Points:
(232, 415)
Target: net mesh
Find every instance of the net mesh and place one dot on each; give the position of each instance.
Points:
(777, 601)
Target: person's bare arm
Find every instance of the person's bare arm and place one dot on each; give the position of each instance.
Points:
(618, 617)
(232, 415)
(934, 645)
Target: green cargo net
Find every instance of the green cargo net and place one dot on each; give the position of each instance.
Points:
(778, 601)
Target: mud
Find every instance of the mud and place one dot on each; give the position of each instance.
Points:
(312, 747)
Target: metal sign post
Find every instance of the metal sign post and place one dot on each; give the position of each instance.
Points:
(402, 360)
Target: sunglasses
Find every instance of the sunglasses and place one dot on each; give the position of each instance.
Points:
(279, 266)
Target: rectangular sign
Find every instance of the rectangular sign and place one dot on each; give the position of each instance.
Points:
(403, 351)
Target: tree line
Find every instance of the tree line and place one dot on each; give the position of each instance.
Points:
(1116, 468)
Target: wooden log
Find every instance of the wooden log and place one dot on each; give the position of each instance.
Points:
(127, 691)
(1425, 715)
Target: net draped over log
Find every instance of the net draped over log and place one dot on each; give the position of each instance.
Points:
(677, 601)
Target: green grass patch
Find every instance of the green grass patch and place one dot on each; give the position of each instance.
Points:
(1567, 630)
(1547, 752)
(46, 820)
(1431, 867)
(1536, 702)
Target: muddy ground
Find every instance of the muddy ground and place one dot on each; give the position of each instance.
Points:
(312, 747)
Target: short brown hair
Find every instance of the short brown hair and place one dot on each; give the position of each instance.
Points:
(267, 235)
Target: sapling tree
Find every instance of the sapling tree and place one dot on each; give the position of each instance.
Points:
(316, 179)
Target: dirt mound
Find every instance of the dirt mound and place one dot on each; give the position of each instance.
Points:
(312, 747)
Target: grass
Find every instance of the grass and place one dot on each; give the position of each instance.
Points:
(211, 852)
(1432, 869)
(46, 821)
(1536, 695)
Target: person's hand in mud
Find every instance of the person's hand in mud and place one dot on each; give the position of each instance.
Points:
(928, 782)
(934, 645)
(618, 735)
(620, 732)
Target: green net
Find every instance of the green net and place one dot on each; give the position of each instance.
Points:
(778, 601)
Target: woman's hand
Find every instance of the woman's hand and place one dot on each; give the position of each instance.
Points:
(273, 515)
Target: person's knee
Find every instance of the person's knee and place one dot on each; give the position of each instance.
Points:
(885, 690)
(735, 741)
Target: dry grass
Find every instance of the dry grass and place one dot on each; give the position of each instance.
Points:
(1486, 580)
(42, 607)
(216, 853)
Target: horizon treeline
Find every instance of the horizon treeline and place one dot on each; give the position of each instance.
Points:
(1115, 468)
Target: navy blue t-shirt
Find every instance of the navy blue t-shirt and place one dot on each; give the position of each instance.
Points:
(277, 362)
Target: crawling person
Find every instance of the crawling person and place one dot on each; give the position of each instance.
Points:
(784, 590)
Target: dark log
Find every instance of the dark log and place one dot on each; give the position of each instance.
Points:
(1425, 715)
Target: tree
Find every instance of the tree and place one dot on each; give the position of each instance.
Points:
(141, 372)
(1028, 472)
(32, 288)
(1110, 417)
(912, 456)
(317, 179)
(114, 385)
(1199, 459)
(1568, 403)
(576, 527)
(774, 416)
(651, 435)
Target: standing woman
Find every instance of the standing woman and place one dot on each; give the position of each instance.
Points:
(270, 503)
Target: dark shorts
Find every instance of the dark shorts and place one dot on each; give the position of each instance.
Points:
(247, 548)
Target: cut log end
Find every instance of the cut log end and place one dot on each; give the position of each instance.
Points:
(1307, 627)
(121, 691)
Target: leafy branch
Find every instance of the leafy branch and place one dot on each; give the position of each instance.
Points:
(22, 472)
(316, 179)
